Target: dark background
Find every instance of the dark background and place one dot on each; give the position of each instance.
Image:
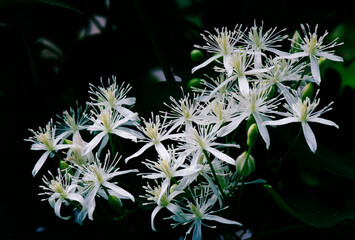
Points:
(37, 82)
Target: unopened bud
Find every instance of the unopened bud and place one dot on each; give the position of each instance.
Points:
(252, 135)
(196, 55)
(65, 167)
(245, 164)
(194, 83)
(67, 141)
(172, 188)
(295, 42)
(115, 203)
(307, 91)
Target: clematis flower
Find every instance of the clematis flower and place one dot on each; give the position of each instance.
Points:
(161, 200)
(222, 44)
(61, 190)
(45, 139)
(311, 46)
(155, 132)
(75, 153)
(96, 180)
(260, 41)
(198, 212)
(195, 141)
(256, 104)
(109, 121)
(303, 112)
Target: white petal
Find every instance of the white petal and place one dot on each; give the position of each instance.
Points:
(231, 126)
(293, 56)
(262, 129)
(227, 65)
(154, 213)
(315, 69)
(119, 190)
(57, 207)
(232, 78)
(40, 163)
(208, 61)
(93, 143)
(310, 138)
(197, 235)
(124, 133)
(161, 150)
(140, 151)
(323, 121)
(243, 85)
(221, 220)
(222, 156)
(282, 121)
(330, 56)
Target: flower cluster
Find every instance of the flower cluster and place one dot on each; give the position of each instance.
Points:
(84, 173)
(198, 166)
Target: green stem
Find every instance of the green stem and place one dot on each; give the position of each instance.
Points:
(112, 145)
(304, 72)
(285, 156)
(214, 175)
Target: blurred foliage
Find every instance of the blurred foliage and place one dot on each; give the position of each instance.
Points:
(50, 50)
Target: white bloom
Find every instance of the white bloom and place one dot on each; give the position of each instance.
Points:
(198, 212)
(312, 47)
(61, 190)
(45, 139)
(97, 181)
(185, 111)
(240, 62)
(259, 41)
(75, 153)
(162, 200)
(222, 44)
(113, 96)
(72, 122)
(255, 103)
(195, 141)
(155, 132)
(167, 168)
(303, 112)
(109, 121)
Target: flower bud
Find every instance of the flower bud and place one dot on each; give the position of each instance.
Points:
(196, 55)
(195, 82)
(296, 40)
(115, 203)
(307, 91)
(245, 164)
(252, 135)
(67, 141)
(65, 167)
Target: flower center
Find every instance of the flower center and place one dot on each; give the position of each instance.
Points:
(58, 188)
(105, 117)
(151, 130)
(196, 210)
(46, 139)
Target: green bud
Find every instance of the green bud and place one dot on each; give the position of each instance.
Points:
(245, 164)
(195, 82)
(196, 55)
(252, 135)
(67, 141)
(250, 121)
(296, 40)
(65, 167)
(115, 203)
(307, 91)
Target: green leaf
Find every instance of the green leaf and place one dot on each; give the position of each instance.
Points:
(312, 210)
(7, 3)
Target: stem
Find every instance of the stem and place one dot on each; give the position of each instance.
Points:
(214, 175)
(111, 144)
(304, 72)
(282, 159)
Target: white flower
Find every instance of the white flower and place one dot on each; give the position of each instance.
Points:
(61, 190)
(155, 132)
(113, 96)
(185, 111)
(259, 41)
(198, 212)
(240, 62)
(109, 121)
(255, 103)
(45, 139)
(167, 168)
(75, 153)
(222, 44)
(72, 122)
(162, 200)
(196, 141)
(312, 47)
(303, 112)
(96, 180)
